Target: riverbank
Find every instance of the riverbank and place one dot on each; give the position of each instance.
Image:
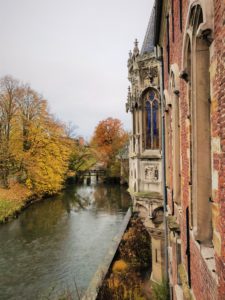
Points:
(13, 200)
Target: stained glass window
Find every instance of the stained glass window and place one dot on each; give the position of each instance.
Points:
(148, 124)
(151, 121)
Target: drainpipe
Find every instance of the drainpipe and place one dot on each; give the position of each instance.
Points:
(159, 56)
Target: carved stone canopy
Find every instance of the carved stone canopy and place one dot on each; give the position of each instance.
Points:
(151, 173)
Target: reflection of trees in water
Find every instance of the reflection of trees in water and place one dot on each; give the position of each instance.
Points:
(104, 197)
(79, 197)
(111, 197)
(41, 218)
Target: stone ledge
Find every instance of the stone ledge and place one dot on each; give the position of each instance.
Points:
(178, 292)
(154, 195)
(92, 290)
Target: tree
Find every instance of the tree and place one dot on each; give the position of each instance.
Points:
(34, 146)
(109, 137)
(82, 157)
(30, 106)
(8, 110)
(46, 161)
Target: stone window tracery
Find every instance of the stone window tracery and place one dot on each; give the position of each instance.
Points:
(151, 120)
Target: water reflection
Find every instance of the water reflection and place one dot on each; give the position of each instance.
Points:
(59, 239)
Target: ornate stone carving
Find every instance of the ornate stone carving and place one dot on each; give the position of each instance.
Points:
(152, 173)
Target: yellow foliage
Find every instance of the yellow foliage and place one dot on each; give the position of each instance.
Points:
(12, 200)
(34, 149)
(119, 266)
(113, 282)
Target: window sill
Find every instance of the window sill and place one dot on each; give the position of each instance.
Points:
(151, 153)
(208, 255)
(179, 292)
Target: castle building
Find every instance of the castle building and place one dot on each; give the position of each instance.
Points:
(145, 159)
(188, 38)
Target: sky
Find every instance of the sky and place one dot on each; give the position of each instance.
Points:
(74, 53)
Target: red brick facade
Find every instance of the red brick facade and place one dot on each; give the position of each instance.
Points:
(205, 266)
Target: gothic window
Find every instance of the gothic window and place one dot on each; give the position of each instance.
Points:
(151, 119)
(148, 124)
(197, 60)
(176, 154)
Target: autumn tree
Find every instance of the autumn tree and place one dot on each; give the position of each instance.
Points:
(47, 159)
(8, 111)
(34, 147)
(30, 107)
(109, 137)
(82, 157)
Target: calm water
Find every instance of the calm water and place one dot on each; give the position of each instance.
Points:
(58, 241)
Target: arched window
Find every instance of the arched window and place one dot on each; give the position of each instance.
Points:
(148, 124)
(198, 88)
(151, 120)
(176, 154)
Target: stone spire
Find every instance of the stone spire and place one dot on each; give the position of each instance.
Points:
(148, 44)
(136, 49)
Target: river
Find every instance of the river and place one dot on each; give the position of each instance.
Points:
(59, 241)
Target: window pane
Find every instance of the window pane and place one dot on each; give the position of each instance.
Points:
(148, 125)
(155, 108)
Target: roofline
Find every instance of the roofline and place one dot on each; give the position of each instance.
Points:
(158, 16)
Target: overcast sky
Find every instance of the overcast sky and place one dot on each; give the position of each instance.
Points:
(74, 53)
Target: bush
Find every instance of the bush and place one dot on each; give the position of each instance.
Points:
(135, 246)
(161, 291)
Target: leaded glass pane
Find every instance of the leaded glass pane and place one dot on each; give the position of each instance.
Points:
(155, 124)
(148, 124)
(151, 95)
(151, 121)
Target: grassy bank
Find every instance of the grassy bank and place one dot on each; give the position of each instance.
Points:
(12, 200)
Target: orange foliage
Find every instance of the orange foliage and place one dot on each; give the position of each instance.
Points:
(119, 266)
(109, 137)
(16, 192)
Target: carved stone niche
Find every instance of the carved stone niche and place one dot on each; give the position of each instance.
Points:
(151, 173)
(153, 71)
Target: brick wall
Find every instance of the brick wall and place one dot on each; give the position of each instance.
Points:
(218, 121)
(204, 285)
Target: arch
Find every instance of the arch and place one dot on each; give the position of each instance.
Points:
(175, 126)
(205, 29)
(196, 61)
(145, 90)
(174, 70)
(150, 118)
(157, 215)
(187, 47)
(167, 99)
(167, 135)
